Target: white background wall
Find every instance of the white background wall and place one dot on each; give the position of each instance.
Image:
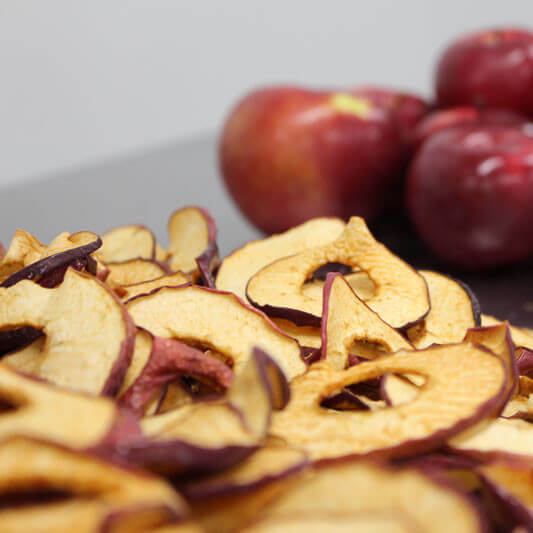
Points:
(84, 81)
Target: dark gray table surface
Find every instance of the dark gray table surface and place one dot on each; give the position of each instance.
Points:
(145, 188)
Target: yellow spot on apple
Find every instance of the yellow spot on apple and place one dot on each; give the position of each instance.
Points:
(346, 103)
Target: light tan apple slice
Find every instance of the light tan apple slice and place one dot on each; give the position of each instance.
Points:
(55, 489)
(38, 410)
(134, 271)
(213, 435)
(216, 320)
(498, 340)
(241, 265)
(192, 233)
(89, 335)
(522, 337)
(273, 461)
(127, 242)
(401, 296)
(446, 404)
(454, 309)
(145, 287)
(347, 320)
(306, 335)
(364, 497)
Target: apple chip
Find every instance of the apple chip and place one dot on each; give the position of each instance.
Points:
(168, 360)
(454, 309)
(347, 320)
(134, 271)
(401, 296)
(38, 410)
(522, 337)
(307, 336)
(127, 242)
(511, 488)
(145, 287)
(236, 269)
(361, 496)
(89, 335)
(45, 487)
(47, 265)
(498, 340)
(446, 404)
(273, 461)
(213, 435)
(193, 232)
(217, 320)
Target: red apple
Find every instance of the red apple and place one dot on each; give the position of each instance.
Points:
(288, 154)
(492, 68)
(470, 192)
(463, 116)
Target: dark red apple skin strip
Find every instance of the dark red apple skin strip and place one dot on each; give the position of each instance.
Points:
(47, 265)
(209, 260)
(17, 339)
(169, 360)
(524, 362)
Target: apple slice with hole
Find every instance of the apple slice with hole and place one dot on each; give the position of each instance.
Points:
(216, 320)
(237, 268)
(193, 233)
(401, 296)
(134, 271)
(51, 262)
(127, 292)
(372, 498)
(127, 242)
(213, 435)
(446, 404)
(522, 337)
(89, 334)
(498, 340)
(454, 309)
(47, 487)
(39, 410)
(348, 324)
(168, 360)
(272, 462)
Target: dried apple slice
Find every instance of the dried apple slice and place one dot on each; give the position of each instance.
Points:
(89, 335)
(454, 309)
(213, 435)
(511, 488)
(217, 320)
(145, 287)
(193, 232)
(45, 487)
(168, 360)
(522, 337)
(127, 242)
(401, 296)
(307, 336)
(446, 404)
(241, 265)
(38, 410)
(273, 461)
(347, 320)
(51, 263)
(134, 271)
(498, 340)
(372, 498)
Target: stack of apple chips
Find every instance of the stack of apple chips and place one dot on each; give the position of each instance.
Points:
(311, 381)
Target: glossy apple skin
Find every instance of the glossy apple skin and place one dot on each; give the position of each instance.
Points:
(287, 155)
(463, 116)
(469, 194)
(492, 68)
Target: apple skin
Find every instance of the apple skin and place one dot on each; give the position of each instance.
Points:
(469, 194)
(491, 68)
(463, 116)
(288, 154)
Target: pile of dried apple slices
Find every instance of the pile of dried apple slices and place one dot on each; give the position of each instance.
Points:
(309, 381)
